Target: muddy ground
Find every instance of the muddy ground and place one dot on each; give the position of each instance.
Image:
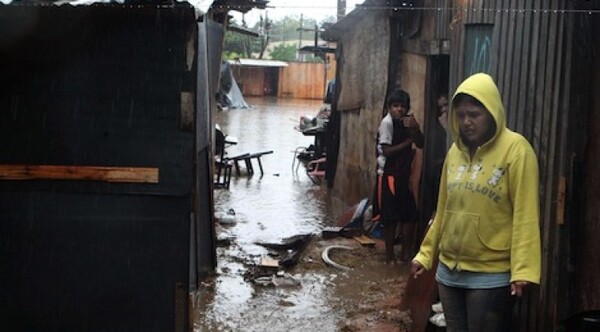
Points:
(370, 293)
(365, 298)
(279, 204)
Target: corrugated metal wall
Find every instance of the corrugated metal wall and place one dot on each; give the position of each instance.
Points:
(96, 86)
(540, 54)
(526, 46)
(583, 197)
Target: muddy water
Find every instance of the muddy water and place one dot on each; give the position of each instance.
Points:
(279, 204)
(284, 202)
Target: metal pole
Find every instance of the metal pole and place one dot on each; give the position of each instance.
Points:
(341, 9)
(299, 56)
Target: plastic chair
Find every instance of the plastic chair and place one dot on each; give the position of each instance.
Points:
(314, 170)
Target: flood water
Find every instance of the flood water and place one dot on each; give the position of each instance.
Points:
(279, 204)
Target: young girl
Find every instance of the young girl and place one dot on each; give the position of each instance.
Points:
(486, 229)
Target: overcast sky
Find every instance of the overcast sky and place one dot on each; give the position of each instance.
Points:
(277, 9)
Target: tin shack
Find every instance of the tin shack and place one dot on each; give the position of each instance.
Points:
(543, 56)
(105, 162)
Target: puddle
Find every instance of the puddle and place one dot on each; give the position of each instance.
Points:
(279, 204)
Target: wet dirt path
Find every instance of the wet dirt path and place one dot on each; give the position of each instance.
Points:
(275, 206)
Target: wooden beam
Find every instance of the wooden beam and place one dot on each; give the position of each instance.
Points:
(89, 173)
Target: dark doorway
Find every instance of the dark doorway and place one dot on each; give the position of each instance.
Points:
(435, 137)
(271, 81)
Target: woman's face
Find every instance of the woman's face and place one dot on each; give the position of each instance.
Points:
(475, 123)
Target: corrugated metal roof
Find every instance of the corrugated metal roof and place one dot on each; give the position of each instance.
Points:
(257, 63)
(350, 21)
(241, 30)
(242, 6)
(202, 6)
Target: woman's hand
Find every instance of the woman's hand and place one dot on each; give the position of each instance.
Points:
(416, 269)
(518, 287)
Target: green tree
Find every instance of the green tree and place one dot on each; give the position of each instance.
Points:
(290, 29)
(284, 52)
(236, 43)
(328, 21)
(264, 27)
(312, 58)
(287, 29)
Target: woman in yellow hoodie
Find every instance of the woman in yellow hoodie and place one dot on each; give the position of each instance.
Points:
(486, 230)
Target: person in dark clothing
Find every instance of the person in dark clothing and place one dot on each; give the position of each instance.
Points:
(394, 202)
(439, 146)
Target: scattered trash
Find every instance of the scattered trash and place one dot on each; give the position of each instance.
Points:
(224, 242)
(293, 242)
(360, 217)
(328, 260)
(277, 280)
(354, 215)
(285, 281)
(227, 218)
(269, 262)
(263, 281)
(293, 247)
(292, 257)
(285, 303)
(331, 232)
(364, 240)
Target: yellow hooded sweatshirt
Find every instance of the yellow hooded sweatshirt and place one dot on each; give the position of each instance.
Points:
(488, 206)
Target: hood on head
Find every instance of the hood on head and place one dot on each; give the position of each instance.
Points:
(480, 86)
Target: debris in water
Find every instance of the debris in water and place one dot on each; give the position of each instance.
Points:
(227, 218)
(328, 260)
(285, 281)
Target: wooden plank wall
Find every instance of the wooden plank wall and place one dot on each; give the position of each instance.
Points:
(363, 71)
(304, 80)
(527, 62)
(250, 79)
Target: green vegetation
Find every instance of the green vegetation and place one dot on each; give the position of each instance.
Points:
(290, 29)
(284, 52)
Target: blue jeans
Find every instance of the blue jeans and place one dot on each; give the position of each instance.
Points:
(476, 309)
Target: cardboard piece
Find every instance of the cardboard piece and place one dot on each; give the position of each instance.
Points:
(365, 240)
(269, 262)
